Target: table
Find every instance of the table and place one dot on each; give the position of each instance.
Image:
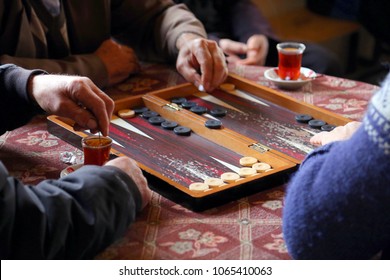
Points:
(249, 228)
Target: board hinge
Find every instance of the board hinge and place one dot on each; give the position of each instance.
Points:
(172, 106)
(259, 147)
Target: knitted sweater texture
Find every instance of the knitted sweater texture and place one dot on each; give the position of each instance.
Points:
(337, 204)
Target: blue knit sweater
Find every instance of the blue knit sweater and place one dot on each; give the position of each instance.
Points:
(337, 204)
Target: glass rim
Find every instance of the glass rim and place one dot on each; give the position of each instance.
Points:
(299, 46)
(84, 144)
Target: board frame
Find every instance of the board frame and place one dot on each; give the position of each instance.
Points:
(158, 101)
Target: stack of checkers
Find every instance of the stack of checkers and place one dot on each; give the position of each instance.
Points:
(314, 123)
(155, 119)
(250, 166)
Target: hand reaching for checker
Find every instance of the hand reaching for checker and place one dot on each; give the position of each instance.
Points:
(255, 50)
(77, 98)
(201, 61)
(120, 61)
(337, 134)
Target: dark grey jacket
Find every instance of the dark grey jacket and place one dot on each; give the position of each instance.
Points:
(74, 217)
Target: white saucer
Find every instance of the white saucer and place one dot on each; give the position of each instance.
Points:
(306, 76)
(70, 169)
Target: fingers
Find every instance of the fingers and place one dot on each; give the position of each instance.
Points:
(235, 50)
(232, 47)
(84, 120)
(131, 168)
(249, 60)
(257, 42)
(188, 69)
(317, 139)
(337, 134)
(212, 64)
(119, 60)
(232, 59)
(255, 57)
(74, 97)
(353, 126)
(97, 107)
(257, 50)
(56, 94)
(202, 62)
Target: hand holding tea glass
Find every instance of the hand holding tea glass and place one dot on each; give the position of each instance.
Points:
(290, 60)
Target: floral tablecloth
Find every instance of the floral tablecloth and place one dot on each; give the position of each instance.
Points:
(249, 228)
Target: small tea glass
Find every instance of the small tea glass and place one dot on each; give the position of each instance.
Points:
(290, 60)
(96, 149)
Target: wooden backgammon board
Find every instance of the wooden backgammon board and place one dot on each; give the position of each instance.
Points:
(257, 122)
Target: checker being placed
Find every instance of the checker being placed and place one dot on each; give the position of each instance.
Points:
(104, 39)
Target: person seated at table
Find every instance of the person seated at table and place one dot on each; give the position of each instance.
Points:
(247, 38)
(79, 215)
(104, 40)
(337, 204)
(373, 15)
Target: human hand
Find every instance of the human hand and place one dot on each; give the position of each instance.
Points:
(256, 50)
(201, 61)
(232, 49)
(337, 134)
(77, 98)
(131, 168)
(120, 61)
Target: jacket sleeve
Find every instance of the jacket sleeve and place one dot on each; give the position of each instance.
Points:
(16, 108)
(337, 204)
(152, 27)
(17, 33)
(88, 65)
(74, 217)
(247, 20)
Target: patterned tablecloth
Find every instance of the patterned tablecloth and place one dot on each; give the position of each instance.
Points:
(249, 228)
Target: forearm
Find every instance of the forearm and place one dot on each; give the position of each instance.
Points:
(332, 203)
(88, 65)
(162, 23)
(71, 218)
(189, 25)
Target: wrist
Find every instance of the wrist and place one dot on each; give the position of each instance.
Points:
(187, 37)
(30, 86)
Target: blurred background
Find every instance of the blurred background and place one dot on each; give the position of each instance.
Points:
(357, 31)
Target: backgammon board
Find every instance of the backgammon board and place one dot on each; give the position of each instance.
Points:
(257, 122)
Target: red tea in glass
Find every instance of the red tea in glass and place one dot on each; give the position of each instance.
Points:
(96, 149)
(290, 59)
